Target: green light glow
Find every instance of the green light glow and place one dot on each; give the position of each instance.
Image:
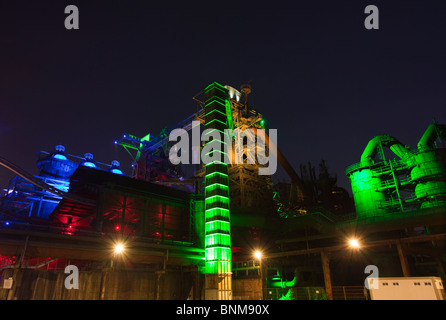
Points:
(216, 86)
(212, 130)
(218, 211)
(365, 186)
(215, 110)
(213, 162)
(218, 240)
(146, 137)
(217, 226)
(229, 115)
(217, 173)
(217, 214)
(415, 179)
(218, 197)
(217, 185)
(211, 152)
(222, 122)
(215, 140)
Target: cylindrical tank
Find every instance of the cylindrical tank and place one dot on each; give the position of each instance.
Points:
(57, 165)
(429, 173)
(365, 188)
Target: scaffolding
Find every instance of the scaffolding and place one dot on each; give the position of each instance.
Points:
(25, 198)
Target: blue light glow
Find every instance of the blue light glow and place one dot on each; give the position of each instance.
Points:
(117, 171)
(60, 157)
(89, 164)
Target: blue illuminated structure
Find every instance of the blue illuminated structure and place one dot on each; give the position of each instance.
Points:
(60, 157)
(115, 168)
(23, 197)
(55, 170)
(88, 164)
(56, 165)
(88, 161)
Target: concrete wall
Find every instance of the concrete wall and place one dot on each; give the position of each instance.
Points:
(129, 284)
(246, 289)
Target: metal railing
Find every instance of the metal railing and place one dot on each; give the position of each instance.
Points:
(316, 293)
(350, 293)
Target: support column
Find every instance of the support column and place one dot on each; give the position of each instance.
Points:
(263, 275)
(144, 218)
(441, 266)
(218, 268)
(403, 260)
(18, 273)
(327, 277)
(163, 221)
(124, 205)
(100, 211)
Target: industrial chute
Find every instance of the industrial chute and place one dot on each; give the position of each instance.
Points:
(296, 182)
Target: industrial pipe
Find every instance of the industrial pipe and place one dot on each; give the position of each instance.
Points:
(390, 142)
(431, 134)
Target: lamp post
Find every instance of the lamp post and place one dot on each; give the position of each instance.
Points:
(258, 255)
(118, 250)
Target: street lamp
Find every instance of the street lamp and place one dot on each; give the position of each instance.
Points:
(258, 255)
(354, 243)
(119, 248)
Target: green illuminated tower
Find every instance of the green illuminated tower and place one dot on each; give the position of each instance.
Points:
(218, 277)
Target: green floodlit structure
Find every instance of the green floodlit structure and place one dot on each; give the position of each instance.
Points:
(218, 271)
(415, 179)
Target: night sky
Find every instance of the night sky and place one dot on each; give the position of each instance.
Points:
(318, 75)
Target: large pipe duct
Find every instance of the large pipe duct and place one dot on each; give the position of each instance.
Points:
(431, 134)
(384, 140)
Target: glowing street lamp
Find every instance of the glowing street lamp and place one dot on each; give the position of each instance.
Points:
(119, 248)
(258, 255)
(354, 243)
